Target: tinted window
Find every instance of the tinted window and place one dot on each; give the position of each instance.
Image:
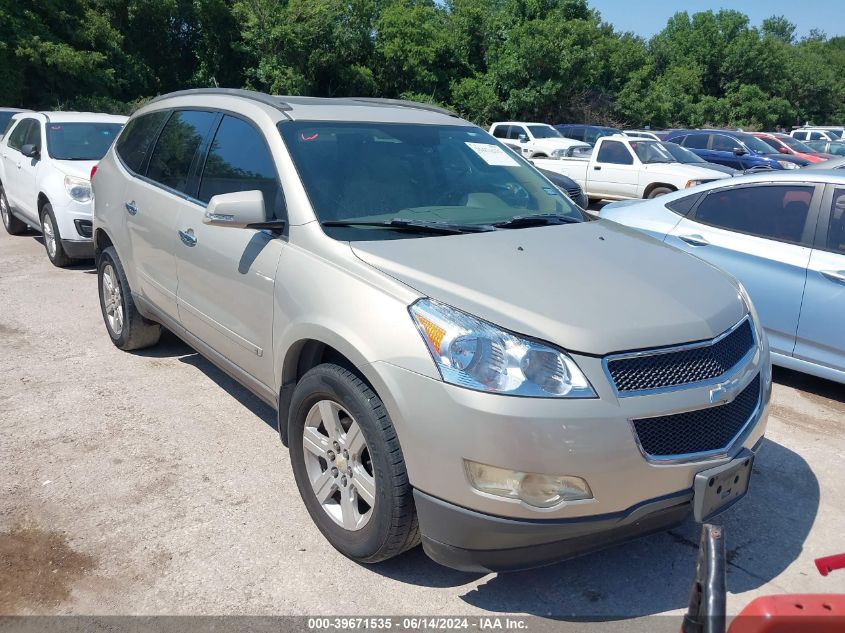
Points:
(515, 131)
(176, 148)
(682, 206)
(500, 131)
(18, 135)
(81, 141)
(816, 136)
(722, 143)
(834, 134)
(576, 133)
(33, 136)
(614, 152)
(802, 136)
(136, 139)
(591, 135)
(836, 229)
(696, 141)
(240, 161)
(776, 212)
(5, 119)
(836, 148)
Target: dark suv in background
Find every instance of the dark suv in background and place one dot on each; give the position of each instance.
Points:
(587, 133)
(738, 150)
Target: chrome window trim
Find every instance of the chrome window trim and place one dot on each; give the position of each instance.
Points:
(719, 453)
(658, 351)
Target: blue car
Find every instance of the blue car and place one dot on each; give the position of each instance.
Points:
(587, 133)
(738, 150)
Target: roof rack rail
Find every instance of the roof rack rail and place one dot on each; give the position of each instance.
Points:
(403, 103)
(261, 97)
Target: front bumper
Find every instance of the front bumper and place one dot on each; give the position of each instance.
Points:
(79, 249)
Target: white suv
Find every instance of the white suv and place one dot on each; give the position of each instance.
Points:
(818, 133)
(46, 160)
(537, 140)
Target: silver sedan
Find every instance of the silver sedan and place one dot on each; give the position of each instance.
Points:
(783, 236)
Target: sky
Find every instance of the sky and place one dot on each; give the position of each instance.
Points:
(647, 17)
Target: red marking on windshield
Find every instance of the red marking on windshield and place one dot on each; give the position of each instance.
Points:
(308, 138)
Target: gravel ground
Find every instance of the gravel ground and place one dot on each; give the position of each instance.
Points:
(150, 483)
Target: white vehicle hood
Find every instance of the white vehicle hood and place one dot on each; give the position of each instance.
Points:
(681, 170)
(556, 143)
(77, 168)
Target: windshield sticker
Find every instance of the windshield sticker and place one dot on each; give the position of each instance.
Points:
(550, 191)
(492, 154)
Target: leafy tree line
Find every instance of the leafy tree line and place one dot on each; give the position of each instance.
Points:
(546, 60)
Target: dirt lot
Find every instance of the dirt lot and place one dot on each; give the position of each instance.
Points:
(150, 483)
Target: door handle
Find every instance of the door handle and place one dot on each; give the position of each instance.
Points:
(837, 276)
(694, 240)
(188, 238)
(20, 165)
(131, 208)
(597, 167)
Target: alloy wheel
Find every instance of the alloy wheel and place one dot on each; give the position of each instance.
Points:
(337, 460)
(49, 236)
(112, 300)
(4, 208)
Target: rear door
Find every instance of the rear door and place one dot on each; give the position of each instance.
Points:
(227, 275)
(821, 330)
(614, 172)
(163, 188)
(762, 235)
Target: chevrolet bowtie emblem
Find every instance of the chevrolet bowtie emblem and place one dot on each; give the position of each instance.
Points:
(724, 392)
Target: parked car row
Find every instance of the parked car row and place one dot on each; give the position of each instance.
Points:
(433, 320)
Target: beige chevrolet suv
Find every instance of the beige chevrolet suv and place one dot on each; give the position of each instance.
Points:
(457, 354)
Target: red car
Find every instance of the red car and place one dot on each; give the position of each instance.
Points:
(785, 144)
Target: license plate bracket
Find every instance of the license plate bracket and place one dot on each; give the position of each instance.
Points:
(717, 489)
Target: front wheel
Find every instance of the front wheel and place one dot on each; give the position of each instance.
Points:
(349, 466)
(52, 238)
(659, 191)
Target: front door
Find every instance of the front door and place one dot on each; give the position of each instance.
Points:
(227, 275)
(615, 172)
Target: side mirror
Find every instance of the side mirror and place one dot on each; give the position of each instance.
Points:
(738, 151)
(30, 151)
(523, 138)
(239, 210)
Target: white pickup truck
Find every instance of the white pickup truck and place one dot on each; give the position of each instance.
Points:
(621, 168)
(536, 140)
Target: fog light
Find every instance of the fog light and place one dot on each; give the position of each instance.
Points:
(535, 489)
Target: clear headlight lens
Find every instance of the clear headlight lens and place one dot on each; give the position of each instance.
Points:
(560, 153)
(477, 355)
(78, 188)
(787, 165)
(535, 489)
(694, 183)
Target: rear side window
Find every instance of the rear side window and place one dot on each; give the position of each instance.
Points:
(836, 228)
(176, 148)
(696, 141)
(682, 206)
(239, 160)
(17, 138)
(576, 133)
(777, 212)
(801, 136)
(140, 132)
(615, 153)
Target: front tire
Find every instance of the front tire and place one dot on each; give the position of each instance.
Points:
(127, 329)
(12, 224)
(659, 191)
(52, 238)
(349, 466)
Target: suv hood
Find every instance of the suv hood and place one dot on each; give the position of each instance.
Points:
(78, 168)
(595, 287)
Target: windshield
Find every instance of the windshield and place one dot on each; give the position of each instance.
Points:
(652, 152)
(5, 117)
(682, 154)
(795, 144)
(544, 131)
(377, 172)
(756, 145)
(80, 141)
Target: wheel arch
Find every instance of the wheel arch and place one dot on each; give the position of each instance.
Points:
(658, 185)
(41, 201)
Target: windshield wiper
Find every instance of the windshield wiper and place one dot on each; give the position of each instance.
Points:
(542, 219)
(418, 226)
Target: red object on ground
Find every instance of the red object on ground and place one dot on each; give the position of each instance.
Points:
(776, 141)
(830, 563)
(799, 613)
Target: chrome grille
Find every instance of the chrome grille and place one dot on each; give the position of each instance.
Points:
(701, 431)
(659, 369)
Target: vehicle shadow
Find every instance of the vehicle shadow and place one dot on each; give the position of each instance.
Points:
(83, 265)
(653, 574)
(811, 384)
(171, 346)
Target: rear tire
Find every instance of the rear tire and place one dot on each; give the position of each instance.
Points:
(52, 238)
(354, 459)
(127, 329)
(659, 191)
(12, 224)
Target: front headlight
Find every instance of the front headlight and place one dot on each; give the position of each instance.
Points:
(695, 183)
(787, 165)
(477, 355)
(78, 188)
(560, 153)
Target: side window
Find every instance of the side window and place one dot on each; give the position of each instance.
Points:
(500, 131)
(576, 133)
(135, 141)
(176, 148)
(682, 206)
(801, 136)
(777, 212)
(817, 136)
(722, 143)
(696, 141)
(239, 160)
(18, 135)
(591, 135)
(33, 136)
(836, 228)
(515, 131)
(615, 153)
